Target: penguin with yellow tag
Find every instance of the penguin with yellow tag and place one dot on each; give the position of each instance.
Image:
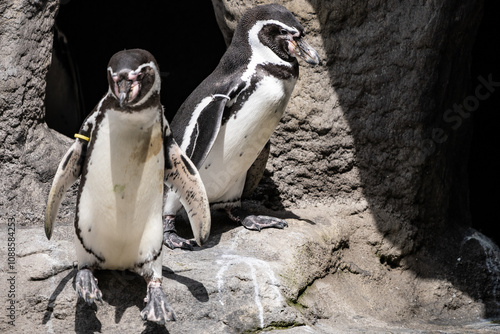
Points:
(123, 154)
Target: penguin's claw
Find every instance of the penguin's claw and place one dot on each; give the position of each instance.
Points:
(157, 308)
(257, 223)
(86, 286)
(172, 241)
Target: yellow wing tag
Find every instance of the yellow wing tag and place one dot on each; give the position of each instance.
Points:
(77, 135)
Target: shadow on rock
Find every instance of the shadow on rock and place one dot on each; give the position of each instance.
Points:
(264, 200)
(267, 193)
(196, 288)
(220, 224)
(122, 289)
(86, 321)
(60, 287)
(415, 185)
(152, 328)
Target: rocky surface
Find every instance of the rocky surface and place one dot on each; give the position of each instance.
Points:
(365, 167)
(312, 277)
(27, 148)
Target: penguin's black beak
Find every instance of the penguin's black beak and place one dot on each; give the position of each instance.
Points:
(123, 90)
(298, 47)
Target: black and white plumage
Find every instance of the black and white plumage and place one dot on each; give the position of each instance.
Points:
(124, 152)
(228, 119)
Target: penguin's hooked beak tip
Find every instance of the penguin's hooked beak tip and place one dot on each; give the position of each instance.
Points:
(122, 91)
(300, 48)
(122, 98)
(127, 91)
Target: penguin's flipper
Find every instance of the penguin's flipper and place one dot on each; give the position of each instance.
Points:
(67, 173)
(197, 127)
(182, 175)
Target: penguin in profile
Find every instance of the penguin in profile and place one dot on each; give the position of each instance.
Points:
(123, 154)
(224, 125)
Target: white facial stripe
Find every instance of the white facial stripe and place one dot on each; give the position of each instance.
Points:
(278, 23)
(136, 71)
(150, 64)
(262, 54)
(156, 85)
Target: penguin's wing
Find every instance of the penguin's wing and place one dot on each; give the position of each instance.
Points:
(181, 174)
(67, 173)
(196, 127)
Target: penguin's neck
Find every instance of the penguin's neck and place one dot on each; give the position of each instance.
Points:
(135, 122)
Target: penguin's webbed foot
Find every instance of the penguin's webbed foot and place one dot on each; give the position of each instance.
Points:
(86, 286)
(259, 222)
(172, 241)
(157, 307)
(255, 223)
(170, 237)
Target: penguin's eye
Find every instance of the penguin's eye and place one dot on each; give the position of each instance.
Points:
(283, 31)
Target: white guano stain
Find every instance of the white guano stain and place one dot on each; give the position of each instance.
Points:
(254, 264)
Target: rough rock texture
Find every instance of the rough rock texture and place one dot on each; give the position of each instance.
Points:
(365, 166)
(28, 148)
(243, 281)
(372, 128)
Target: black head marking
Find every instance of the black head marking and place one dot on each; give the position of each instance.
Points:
(272, 35)
(133, 77)
(278, 30)
(276, 38)
(268, 12)
(130, 59)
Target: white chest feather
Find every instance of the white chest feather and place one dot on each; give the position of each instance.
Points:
(243, 136)
(120, 204)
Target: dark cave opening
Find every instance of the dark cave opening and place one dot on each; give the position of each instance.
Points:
(185, 41)
(484, 164)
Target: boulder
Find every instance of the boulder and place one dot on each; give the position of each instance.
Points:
(310, 277)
